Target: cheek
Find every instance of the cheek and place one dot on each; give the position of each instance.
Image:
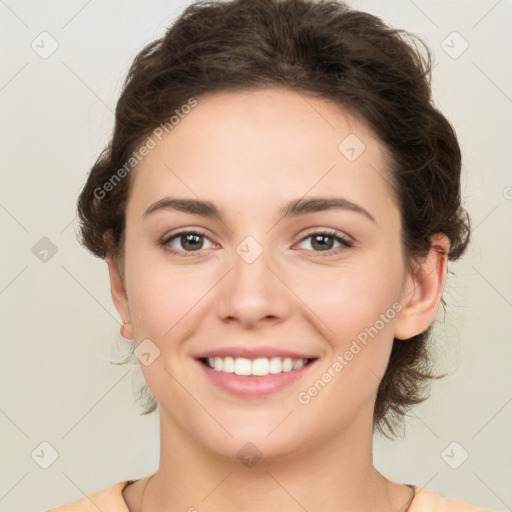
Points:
(355, 309)
(166, 306)
(163, 304)
(349, 299)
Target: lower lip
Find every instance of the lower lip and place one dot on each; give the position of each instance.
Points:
(251, 385)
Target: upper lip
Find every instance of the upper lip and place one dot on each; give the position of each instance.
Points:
(253, 353)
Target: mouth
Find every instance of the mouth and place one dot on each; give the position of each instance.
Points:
(255, 377)
(258, 367)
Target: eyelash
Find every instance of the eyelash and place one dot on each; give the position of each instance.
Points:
(345, 243)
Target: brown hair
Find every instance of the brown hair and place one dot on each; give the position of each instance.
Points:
(323, 48)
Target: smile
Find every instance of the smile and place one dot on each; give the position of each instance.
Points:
(259, 367)
(259, 377)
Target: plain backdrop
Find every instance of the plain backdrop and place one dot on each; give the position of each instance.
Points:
(59, 395)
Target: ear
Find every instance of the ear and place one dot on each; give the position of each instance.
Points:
(423, 290)
(119, 296)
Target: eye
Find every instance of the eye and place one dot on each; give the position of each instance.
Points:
(193, 242)
(190, 241)
(324, 241)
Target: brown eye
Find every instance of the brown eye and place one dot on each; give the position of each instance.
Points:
(185, 242)
(191, 241)
(323, 241)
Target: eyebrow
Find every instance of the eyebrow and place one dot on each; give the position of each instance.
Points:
(294, 208)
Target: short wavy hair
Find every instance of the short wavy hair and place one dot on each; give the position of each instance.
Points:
(322, 48)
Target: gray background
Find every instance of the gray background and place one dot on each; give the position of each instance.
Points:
(59, 327)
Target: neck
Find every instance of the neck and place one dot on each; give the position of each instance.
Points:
(334, 476)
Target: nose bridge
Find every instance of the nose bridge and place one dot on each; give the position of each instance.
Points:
(251, 263)
(252, 291)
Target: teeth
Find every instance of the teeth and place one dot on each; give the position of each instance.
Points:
(297, 364)
(258, 367)
(276, 365)
(287, 365)
(242, 366)
(228, 365)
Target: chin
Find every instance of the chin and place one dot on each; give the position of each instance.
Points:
(254, 448)
(270, 432)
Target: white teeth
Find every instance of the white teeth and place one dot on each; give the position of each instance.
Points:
(287, 365)
(242, 366)
(259, 367)
(276, 365)
(228, 365)
(297, 364)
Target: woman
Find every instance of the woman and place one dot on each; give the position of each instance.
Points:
(277, 207)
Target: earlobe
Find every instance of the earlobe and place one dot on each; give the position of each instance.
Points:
(423, 290)
(119, 296)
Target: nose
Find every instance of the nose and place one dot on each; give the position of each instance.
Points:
(253, 292)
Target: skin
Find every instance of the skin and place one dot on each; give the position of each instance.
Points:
(249, 153)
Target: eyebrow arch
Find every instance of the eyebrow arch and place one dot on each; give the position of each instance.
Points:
(294, 208)
(318, 204)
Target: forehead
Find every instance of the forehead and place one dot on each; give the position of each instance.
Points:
(262, 146)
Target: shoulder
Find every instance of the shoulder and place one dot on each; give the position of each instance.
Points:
(426, 500)
(110, 499)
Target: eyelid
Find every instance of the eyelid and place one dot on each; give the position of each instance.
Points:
(327, 231)
(183, 231)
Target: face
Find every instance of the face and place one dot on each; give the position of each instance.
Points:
(256, 275)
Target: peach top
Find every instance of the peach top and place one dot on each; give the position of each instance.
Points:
(111, 500)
